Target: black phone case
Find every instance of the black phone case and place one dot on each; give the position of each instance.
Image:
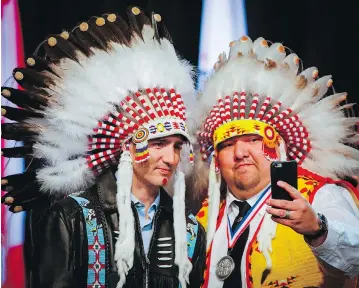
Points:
(283, 171)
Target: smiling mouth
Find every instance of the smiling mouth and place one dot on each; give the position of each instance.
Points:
(242, 166)
(164, 171)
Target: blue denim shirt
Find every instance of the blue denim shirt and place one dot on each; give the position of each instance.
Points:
(146, 221)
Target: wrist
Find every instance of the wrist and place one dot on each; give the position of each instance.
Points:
(318, 226)
(322, 228)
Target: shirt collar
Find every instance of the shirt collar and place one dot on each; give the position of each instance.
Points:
(155, 203)
(230, 198)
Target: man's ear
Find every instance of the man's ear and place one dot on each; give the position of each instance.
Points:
(215, 155)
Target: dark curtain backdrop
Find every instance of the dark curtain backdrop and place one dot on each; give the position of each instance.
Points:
(324, 33)
(42, 17)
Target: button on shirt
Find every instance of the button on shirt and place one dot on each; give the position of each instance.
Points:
(146, 220)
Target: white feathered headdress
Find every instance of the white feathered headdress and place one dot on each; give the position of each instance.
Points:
(106, 83)
(258, 89)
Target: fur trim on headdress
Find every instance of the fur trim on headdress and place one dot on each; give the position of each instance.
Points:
(180, 229)
(214, 199)
(125, 244)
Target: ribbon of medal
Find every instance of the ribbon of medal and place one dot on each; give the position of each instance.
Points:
(226, 264)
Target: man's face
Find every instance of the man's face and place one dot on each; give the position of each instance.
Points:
(164, 158)
(242, 163)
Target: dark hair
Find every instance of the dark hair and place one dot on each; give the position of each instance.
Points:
(223, 189)
(351, 180)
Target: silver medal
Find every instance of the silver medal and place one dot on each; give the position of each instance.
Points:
(224, 268)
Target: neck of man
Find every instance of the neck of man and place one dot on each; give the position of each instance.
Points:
(144, 192)
(243, 193)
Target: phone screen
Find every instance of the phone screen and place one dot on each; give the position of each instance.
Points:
(283, 171)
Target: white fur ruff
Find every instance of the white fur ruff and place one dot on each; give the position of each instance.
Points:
(125, 244)
(265, 236)
(214, 199)
(71, 175)
(180, 229)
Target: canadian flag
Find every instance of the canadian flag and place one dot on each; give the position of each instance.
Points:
(12, 225)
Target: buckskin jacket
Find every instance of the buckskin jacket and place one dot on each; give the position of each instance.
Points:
(60, 253)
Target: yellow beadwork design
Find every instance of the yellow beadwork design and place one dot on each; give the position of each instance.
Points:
(160, 127)
(246, 126)
(294, 264)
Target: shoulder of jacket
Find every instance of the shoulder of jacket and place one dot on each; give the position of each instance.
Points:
(67, 206)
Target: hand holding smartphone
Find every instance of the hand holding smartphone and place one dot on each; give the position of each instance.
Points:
(283, 171)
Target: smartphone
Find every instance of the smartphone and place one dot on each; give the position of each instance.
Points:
(283, 171)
